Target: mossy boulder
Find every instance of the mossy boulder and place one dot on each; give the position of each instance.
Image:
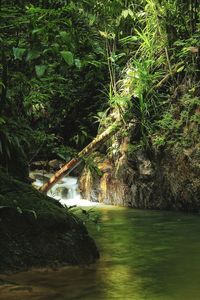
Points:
(36, 230)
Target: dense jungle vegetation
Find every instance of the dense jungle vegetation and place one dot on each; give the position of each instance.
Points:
(67, 66)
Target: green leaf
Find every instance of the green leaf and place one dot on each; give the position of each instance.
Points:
(18, 52)
(40, 70)
(65, 36)
(92, 19)
(1, 84)
(68, 57)
(78, 63)
(104, 34)
(2, 121)
(125, 13)
(129, 39)
(37, 30)
(130, 13)
(33, 212)
(19, 209)
(61, 156)
(180, 69)
(32, 54)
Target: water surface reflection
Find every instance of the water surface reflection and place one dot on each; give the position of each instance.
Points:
(144, 255)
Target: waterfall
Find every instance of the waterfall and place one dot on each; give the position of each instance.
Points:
(66, 191)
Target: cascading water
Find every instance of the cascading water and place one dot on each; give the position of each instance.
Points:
(66, 191)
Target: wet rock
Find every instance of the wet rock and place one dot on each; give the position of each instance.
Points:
(39, 176)
(105, 166)
(55, 164)
(145, 167)
(62, 191)
(164, 180)
(39, 165)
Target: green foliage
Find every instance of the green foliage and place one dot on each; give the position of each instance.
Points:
(68, 57)
(92, 165)
(60, 58)
(146, 71)
(179, 126)
(42, 143)
(87, 216)
(64, 152)
(13, 138)
(119, 101)
(40, 70)
(163, 40)
(18, 52)
(52, 60)
(132, 148)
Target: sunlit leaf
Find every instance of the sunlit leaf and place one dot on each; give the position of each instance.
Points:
(180, 69)
(104, 34)
(68, 57)
(78, 63)
(37, 30)
(125, 13)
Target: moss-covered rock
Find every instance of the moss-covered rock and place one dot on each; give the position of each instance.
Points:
(36, 230)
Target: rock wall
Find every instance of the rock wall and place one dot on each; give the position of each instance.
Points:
(145, 179)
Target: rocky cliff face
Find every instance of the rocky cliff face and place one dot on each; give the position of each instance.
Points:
(145, 179)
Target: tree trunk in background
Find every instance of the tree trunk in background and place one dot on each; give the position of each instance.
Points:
(98, 141)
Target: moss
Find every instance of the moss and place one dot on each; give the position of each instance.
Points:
(178, 127)
(36, 230)
(18, 194)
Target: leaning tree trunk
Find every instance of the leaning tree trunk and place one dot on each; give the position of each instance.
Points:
(98, 141)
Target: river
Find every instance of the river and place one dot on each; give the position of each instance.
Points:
(144, 255)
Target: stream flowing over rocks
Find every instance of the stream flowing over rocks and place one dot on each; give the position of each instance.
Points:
(144, 179)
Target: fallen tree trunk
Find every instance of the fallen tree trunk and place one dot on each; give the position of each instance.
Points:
(69, 166)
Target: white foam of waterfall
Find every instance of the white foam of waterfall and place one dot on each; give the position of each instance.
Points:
(66, 191)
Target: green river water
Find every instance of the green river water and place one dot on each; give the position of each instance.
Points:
(144, 255)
